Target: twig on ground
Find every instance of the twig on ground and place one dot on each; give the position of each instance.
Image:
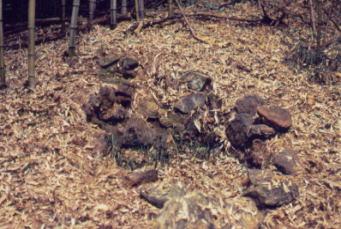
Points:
(188, 24)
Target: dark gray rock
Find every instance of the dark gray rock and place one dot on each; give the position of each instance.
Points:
(238, 129)
(248, 104)
(190, 102)
(196, 80)
(271, 195)
(286, 162)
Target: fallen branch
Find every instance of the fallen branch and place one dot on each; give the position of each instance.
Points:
(188, 24)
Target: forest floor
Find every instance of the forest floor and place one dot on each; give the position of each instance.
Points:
(52, 169)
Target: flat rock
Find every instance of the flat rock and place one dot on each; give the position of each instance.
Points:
(237, 130)
(276, 116)
(248, 104)
(286, 162)
(272, 194)
(261, 131)
(190, 102)
(109, 61)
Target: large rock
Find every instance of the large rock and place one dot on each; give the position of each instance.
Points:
(248, 104)
(270, 190)
(286, 162)
(271, 195)
(188, 103)
(238, 129)
(276, 116)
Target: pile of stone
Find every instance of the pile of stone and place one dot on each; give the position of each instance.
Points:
(254, 122)
(140, 128)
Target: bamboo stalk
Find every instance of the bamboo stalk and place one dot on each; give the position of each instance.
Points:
(113, 14)
(63, 17)
(141, 9)
(73, 28)
(124, 8)
(137, 10)
(315, 14)
(170, 8)
(92, 7)
(2, 58)
(31, 44)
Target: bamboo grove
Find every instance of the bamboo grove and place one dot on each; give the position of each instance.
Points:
(317, 9)
(31, 82)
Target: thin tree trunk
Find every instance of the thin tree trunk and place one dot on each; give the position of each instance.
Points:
(141, 9)
(63, 17)
(92, 8)
(2, 59)
(318, 24)
(31, 44)
(73, 28)
(124, 8)
(113, 14)
(137, 10)
(316, 14)
(170, 8)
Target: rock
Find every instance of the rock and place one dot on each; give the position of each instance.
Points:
(147, 107)
(189, 211)
(196, 80)
(261, 131)
(109, 106)
(258, 155)
(242, 213)
(286, 162)
(107, 62)
(113, 115)
(190, 102)
(137, 178)
(277, 117)
(173, 120)
(127, 65)
(158, 195)
(248, 104)
(238, 129)
(272, 194)
(137, 142)
(182, 209)
(138, 133)
(269, 189)
(214, 102)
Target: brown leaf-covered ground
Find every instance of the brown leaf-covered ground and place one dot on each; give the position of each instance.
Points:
(52, 170)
